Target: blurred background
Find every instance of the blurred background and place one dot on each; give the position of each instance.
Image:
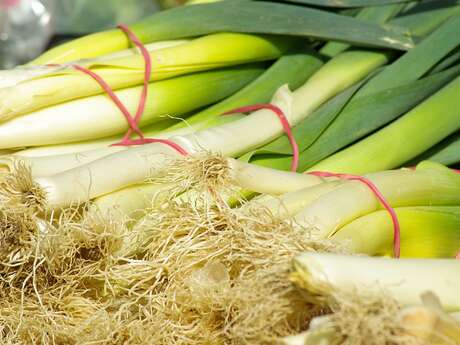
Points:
(28, 27)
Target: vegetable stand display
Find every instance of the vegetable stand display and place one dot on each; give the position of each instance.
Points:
(237, 172)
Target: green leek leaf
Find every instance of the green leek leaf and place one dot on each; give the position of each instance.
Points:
(420, 60)
(348, 3)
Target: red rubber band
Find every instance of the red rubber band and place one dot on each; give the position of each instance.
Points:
(284, 122)
(126, 141)
(380, 197)
(148, 71)
(131, 121)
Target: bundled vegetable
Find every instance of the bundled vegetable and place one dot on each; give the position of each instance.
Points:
(145, 197)
(66, 84)
(225, 139)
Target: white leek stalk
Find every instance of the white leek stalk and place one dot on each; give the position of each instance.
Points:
(97, 116)
(269, 181)
(163, 129)
(404, 279)
(132, 201)
(43, 164)
(291, 203)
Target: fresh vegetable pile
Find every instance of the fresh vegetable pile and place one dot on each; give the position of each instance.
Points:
(237, 172)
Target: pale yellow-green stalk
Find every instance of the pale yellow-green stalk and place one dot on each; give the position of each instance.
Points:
(208, 52)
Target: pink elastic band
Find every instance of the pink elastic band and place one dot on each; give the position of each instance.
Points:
(147, 74)
(133, 122)
(284, 122)
(380, 197)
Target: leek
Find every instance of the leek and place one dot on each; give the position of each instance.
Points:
(379, 320)
(447, 152)
(429, 184)
(9, 78)
(229, 16)
(426, 232)
(410, 66)
(44, 161)
(385, 97)
(291, 203)
(404, 279)
(294, 68)
(97, 116)
(373, 14)
(232, 139)
(425, 125)
(133, 201)
(426, 16)
(209, 52)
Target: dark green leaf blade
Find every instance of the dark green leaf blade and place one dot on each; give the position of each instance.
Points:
(449, 61)
(418, 61)
(268, 18)
(426, 16)
(374, 14)
(348, 3)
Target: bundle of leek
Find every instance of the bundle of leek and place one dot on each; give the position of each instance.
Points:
(179, 264)
(232, 139)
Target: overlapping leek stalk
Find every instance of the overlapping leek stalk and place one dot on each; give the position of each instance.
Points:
(430, 184)
(209, 52)
(293, 68)
(225, 139)
(97, 116)
(403, 139)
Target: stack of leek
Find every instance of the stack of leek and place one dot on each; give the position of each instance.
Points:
(358, 104)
